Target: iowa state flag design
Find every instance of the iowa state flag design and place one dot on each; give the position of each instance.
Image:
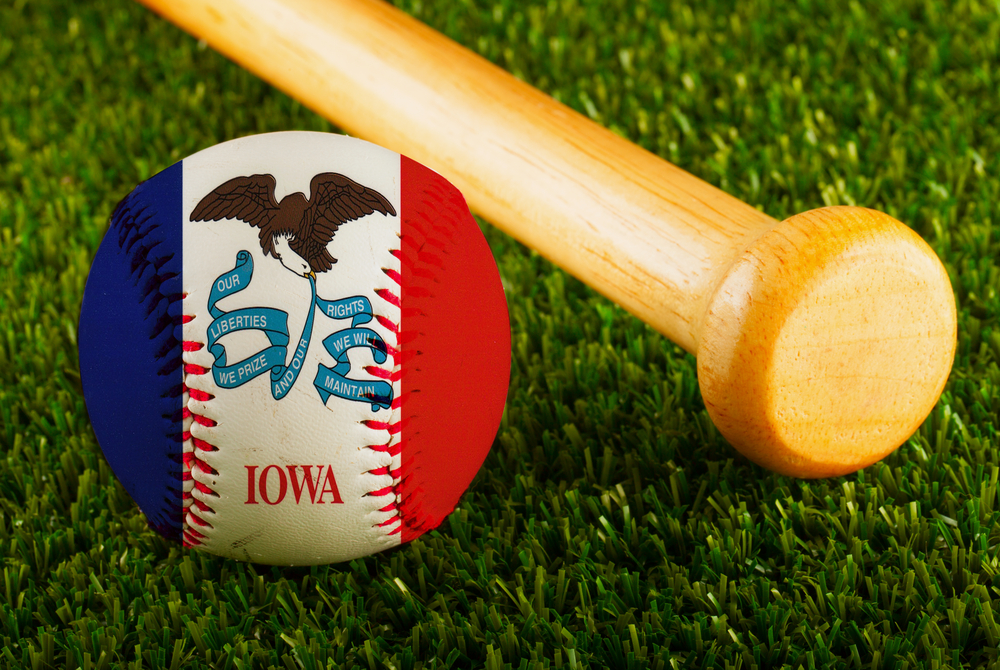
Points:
(294, 348)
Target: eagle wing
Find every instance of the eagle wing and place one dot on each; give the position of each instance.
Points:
(333, 201)
(249, 199)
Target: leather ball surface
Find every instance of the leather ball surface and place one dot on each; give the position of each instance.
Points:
(295, 348)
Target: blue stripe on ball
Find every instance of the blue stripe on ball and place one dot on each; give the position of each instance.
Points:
(130, 359)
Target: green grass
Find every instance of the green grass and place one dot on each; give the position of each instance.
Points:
(611, 526)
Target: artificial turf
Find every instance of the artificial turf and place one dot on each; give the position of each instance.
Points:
(611, 526)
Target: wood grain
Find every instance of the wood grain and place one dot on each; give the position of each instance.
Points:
(828, 342)
(771, 310)
(647, 234)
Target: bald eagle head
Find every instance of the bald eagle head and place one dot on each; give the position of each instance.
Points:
(281, 249)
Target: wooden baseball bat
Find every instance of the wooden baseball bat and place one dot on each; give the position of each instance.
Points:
(822, 341)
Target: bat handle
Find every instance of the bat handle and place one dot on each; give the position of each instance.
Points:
(645, 233)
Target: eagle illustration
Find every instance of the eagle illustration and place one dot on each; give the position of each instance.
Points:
(295, 231)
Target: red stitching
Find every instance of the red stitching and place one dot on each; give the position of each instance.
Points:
(200, 396)
(423, 274)
(194, 507)
(206, 468)
(388, 296)
(376, 371)
(407, 336)
(393, 427)
(387, 323)
(393, 275)
(393, 351)
(391, 450)
(204, 489)
(430, 259)
(201, 506)
(384, 374)
(384, 470)
(197, 519)
(203, 445)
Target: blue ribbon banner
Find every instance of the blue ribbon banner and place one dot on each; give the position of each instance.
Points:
(274, 324)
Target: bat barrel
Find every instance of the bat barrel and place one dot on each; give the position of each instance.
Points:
(828, 342)
(803, 329)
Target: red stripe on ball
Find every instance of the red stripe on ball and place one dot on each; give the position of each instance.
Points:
(456, 352)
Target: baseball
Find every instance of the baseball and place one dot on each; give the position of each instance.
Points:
(294, 348)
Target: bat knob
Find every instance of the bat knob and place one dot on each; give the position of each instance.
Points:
(828, 342)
